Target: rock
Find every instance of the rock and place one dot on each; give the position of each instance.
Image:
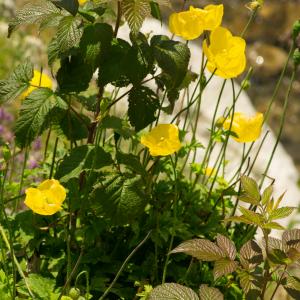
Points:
(266, 59)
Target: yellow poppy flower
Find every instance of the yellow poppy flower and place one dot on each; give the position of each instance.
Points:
(190, 24)
(82, 2)
(208, 171)
(247, 129)
(38, 80)
(162, 140)
(47, 198)
(225, 53)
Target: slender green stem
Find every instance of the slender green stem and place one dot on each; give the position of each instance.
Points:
(53, 158)
(124, 265)
(282, 121)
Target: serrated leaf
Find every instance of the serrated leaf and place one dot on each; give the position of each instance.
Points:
(251, 188)
(74, 75)
(120, 199)
(201, 249)
(35, 115)
(252, 216)
(251, 255)
(281, 213)
(131, 161)
(239, 219)
(273, 225)
(69, 33)
(172, 291)
(223, 267)
(135, 12)
(278, 257)
(118, 125)
(247, 282)
(267, 194)
(227, 246)
(17, 83)
(172, 57)
(247, 199)
(70, 6)
(113, 69)
(95, 43)
(34, 14)
(292, 285)
(291, 239)
(278, 201)
(143, 104)
(82, 158)
(209, 293)
(273, 243)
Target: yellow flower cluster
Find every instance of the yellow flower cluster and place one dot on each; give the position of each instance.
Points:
(191, 24)
(225, 53)
(247, 129)
(162, 140)
(47, 198)
(38, 80)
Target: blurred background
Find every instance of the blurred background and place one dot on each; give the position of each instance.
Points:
(268, 40)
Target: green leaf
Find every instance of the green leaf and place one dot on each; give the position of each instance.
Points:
(209, 293)
(267, 194)
(74, 75)
(143, 104)
(95, 43)
(135, 12)
(139, 59)
(227, 246)
(172, 57)
(224, 266)
(253, 217)
(40, 286)
(70, 6)
(17, 83)
(131, 161)
(273, 225)
(113, 69)
(247, 282)
(118, 125)
(281, 213)
(119, 198)
(35, 115)
(82, 158)
(278, 257)
(200, 249)
(69, 33)
(172, 291)
(73, 126)
(39, 13)
(247, 199)
(251, 255)
(251, 188)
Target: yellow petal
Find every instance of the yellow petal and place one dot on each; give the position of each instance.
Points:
(213, 18)
(38, 80)
(162, 140)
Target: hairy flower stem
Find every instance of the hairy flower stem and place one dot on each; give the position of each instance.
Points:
(124, 265)
(282, 121)
(174, 222)
(251, 19)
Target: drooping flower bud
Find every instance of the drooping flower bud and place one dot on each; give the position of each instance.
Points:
(296, 29)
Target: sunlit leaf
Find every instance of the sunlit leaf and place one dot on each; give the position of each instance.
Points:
(227, 246)
(251, 188)
(223, 267)
(250, 255)
(281, 213)
(172, 291)
(209, 293)
(200, 249)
